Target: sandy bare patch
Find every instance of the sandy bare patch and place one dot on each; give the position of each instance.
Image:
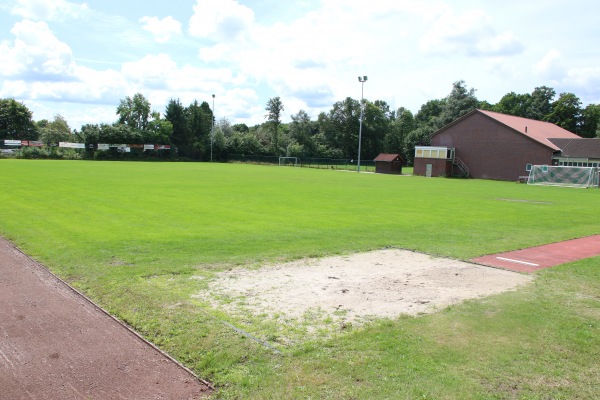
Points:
(385, 283)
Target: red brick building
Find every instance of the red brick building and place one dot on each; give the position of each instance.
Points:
(489, 145)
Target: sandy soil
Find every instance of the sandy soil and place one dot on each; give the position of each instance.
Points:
(385, 283)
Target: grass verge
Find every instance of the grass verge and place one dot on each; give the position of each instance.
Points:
(142, 238)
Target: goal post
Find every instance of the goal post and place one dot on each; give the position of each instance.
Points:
(580, 177)
(289, 161)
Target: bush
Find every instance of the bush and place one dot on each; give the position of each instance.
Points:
(53, 153)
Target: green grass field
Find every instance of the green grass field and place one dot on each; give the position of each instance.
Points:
(131, 235)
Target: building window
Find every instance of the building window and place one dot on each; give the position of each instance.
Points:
(440, 153)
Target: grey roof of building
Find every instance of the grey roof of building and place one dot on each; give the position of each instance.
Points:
(578, 148)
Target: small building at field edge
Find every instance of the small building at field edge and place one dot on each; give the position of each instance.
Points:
(489, 145)
(388, 164)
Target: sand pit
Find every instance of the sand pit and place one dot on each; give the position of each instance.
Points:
(385, 283)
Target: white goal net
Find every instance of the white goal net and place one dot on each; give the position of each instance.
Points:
(582, 177)
(289, 161)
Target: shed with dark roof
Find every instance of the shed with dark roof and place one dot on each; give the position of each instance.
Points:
(388, 163)
(491, 145)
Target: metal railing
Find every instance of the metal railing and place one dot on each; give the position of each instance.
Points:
(462, 167)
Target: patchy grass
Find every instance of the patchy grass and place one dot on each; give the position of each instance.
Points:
(142, 238)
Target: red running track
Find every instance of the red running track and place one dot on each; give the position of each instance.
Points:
(535, 258)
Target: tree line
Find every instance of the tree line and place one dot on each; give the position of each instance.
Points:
(194, 134)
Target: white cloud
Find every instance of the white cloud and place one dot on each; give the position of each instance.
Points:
(99, 87)
(36, 53)
(550, 66)
(220, 19)
(162, 29)
(44, 10)
(587, 78)
(498, 45)
(152, 71)
(311, 60)
(470, 33)
(216, 53)
(37, 65)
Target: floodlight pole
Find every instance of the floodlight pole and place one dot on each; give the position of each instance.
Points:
(212, 129)
(362, 80)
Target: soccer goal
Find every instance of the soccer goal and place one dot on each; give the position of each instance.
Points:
(289, 161)
(581, 177)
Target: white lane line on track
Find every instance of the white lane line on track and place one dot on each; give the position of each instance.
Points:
(518, 261)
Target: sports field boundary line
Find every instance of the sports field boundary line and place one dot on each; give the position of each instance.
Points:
(123, 324)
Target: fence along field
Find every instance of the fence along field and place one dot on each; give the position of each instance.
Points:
(143, 238)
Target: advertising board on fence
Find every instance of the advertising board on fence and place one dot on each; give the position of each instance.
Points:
(148, 147)
(9, 142)
(71, 145)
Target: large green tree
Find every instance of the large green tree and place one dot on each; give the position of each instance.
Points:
(590, 120)
(402, 124)
(376, 125)
(540, 105)
(429, 113)
(340, 127)
(55, 131)
(302, 131)
(200, 122)
(459, 102)
(182, 137)
(16, 121)
(421, 136)
(134, 111)
(566, 112)
(158, 131)
(274, 109)
(514, 104)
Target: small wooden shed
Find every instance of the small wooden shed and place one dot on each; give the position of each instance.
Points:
(388, 163)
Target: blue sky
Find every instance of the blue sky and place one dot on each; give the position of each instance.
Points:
(78, 59)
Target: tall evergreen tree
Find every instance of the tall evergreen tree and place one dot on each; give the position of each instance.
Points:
(175, 113)
(459, 102)
(274, 109)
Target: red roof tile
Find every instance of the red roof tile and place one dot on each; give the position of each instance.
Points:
(537, 130)
(387, 157)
